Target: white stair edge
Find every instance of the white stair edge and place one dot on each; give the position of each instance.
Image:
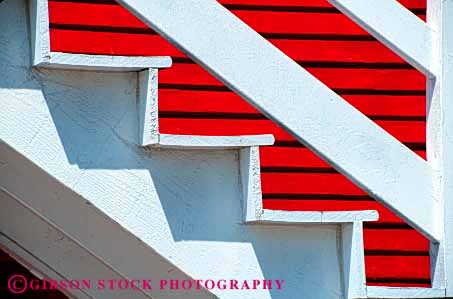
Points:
(253, 206)
(147, 68)
(196, 141)
(84, 62)
(148, 119)
(277, 216)
(149, 136)
(44, 57)
(350, 236)
(406, 292)
(353, 260)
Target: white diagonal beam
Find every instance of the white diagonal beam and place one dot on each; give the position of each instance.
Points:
(396, 27)
(298, 102)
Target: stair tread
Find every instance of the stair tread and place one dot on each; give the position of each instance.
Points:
(104, 62)
(198, 141)
(277, 216)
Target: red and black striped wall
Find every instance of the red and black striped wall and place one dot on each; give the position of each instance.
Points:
(332, 48)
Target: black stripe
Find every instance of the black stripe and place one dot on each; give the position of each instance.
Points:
(254, 7)
(340, 91)
(286, 169)
(317, 196)
(329, 64)
(383, 252)
(398, 280)
(257, 116)
(386, 225)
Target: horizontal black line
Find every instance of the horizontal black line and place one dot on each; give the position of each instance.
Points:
(111, 2)
(317, 196)
(383, 252)
(109, 29)
(387, 225)
(210, 115)
(194, 87)
(252, 7)
(317, 36)
(415, 146)
(149, 31)
(398, 280)
(307, 9)
(398, 117)
(284, 169)
(257, 116)
(330, 64)
(358, 91)
(286, 36)
(340, 91)
(282, 8)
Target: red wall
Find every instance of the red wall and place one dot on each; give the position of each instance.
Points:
(333, 49)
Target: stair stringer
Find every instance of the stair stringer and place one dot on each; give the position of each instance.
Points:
(347, 224)
(70, 156)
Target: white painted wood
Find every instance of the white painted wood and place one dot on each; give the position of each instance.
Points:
(148, 124)
(34, 265)
(294, 217)
(86, 62)
(212, 142)
(250, 172)
(43, 57)
(298, 102)
(147, 107)
(375, 292)
(353, 259)
(439, 140)
(86, 240)
(72, 143)
(55, 254)
(350, 216)
(396, 27)
(253, 206)
(40, 37)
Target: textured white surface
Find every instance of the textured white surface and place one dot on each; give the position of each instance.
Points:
(104, 63)
(148, 121)
(250, 170)
(439, 138)
(404, 293)
(353, 261)
(70, 260)
(396, 27)
(39, 35)
(148, 107)
(316, 217)
(193, 141)
(298, 102)
(42, 56)
(142, 211)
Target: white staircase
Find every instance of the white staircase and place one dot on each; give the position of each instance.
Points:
(104, 194)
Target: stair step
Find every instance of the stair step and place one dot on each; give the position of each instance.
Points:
(276, 216)
(196, 141)
(406, 292)
(84, 62)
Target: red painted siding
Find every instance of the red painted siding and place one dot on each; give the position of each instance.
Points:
(332, 48)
